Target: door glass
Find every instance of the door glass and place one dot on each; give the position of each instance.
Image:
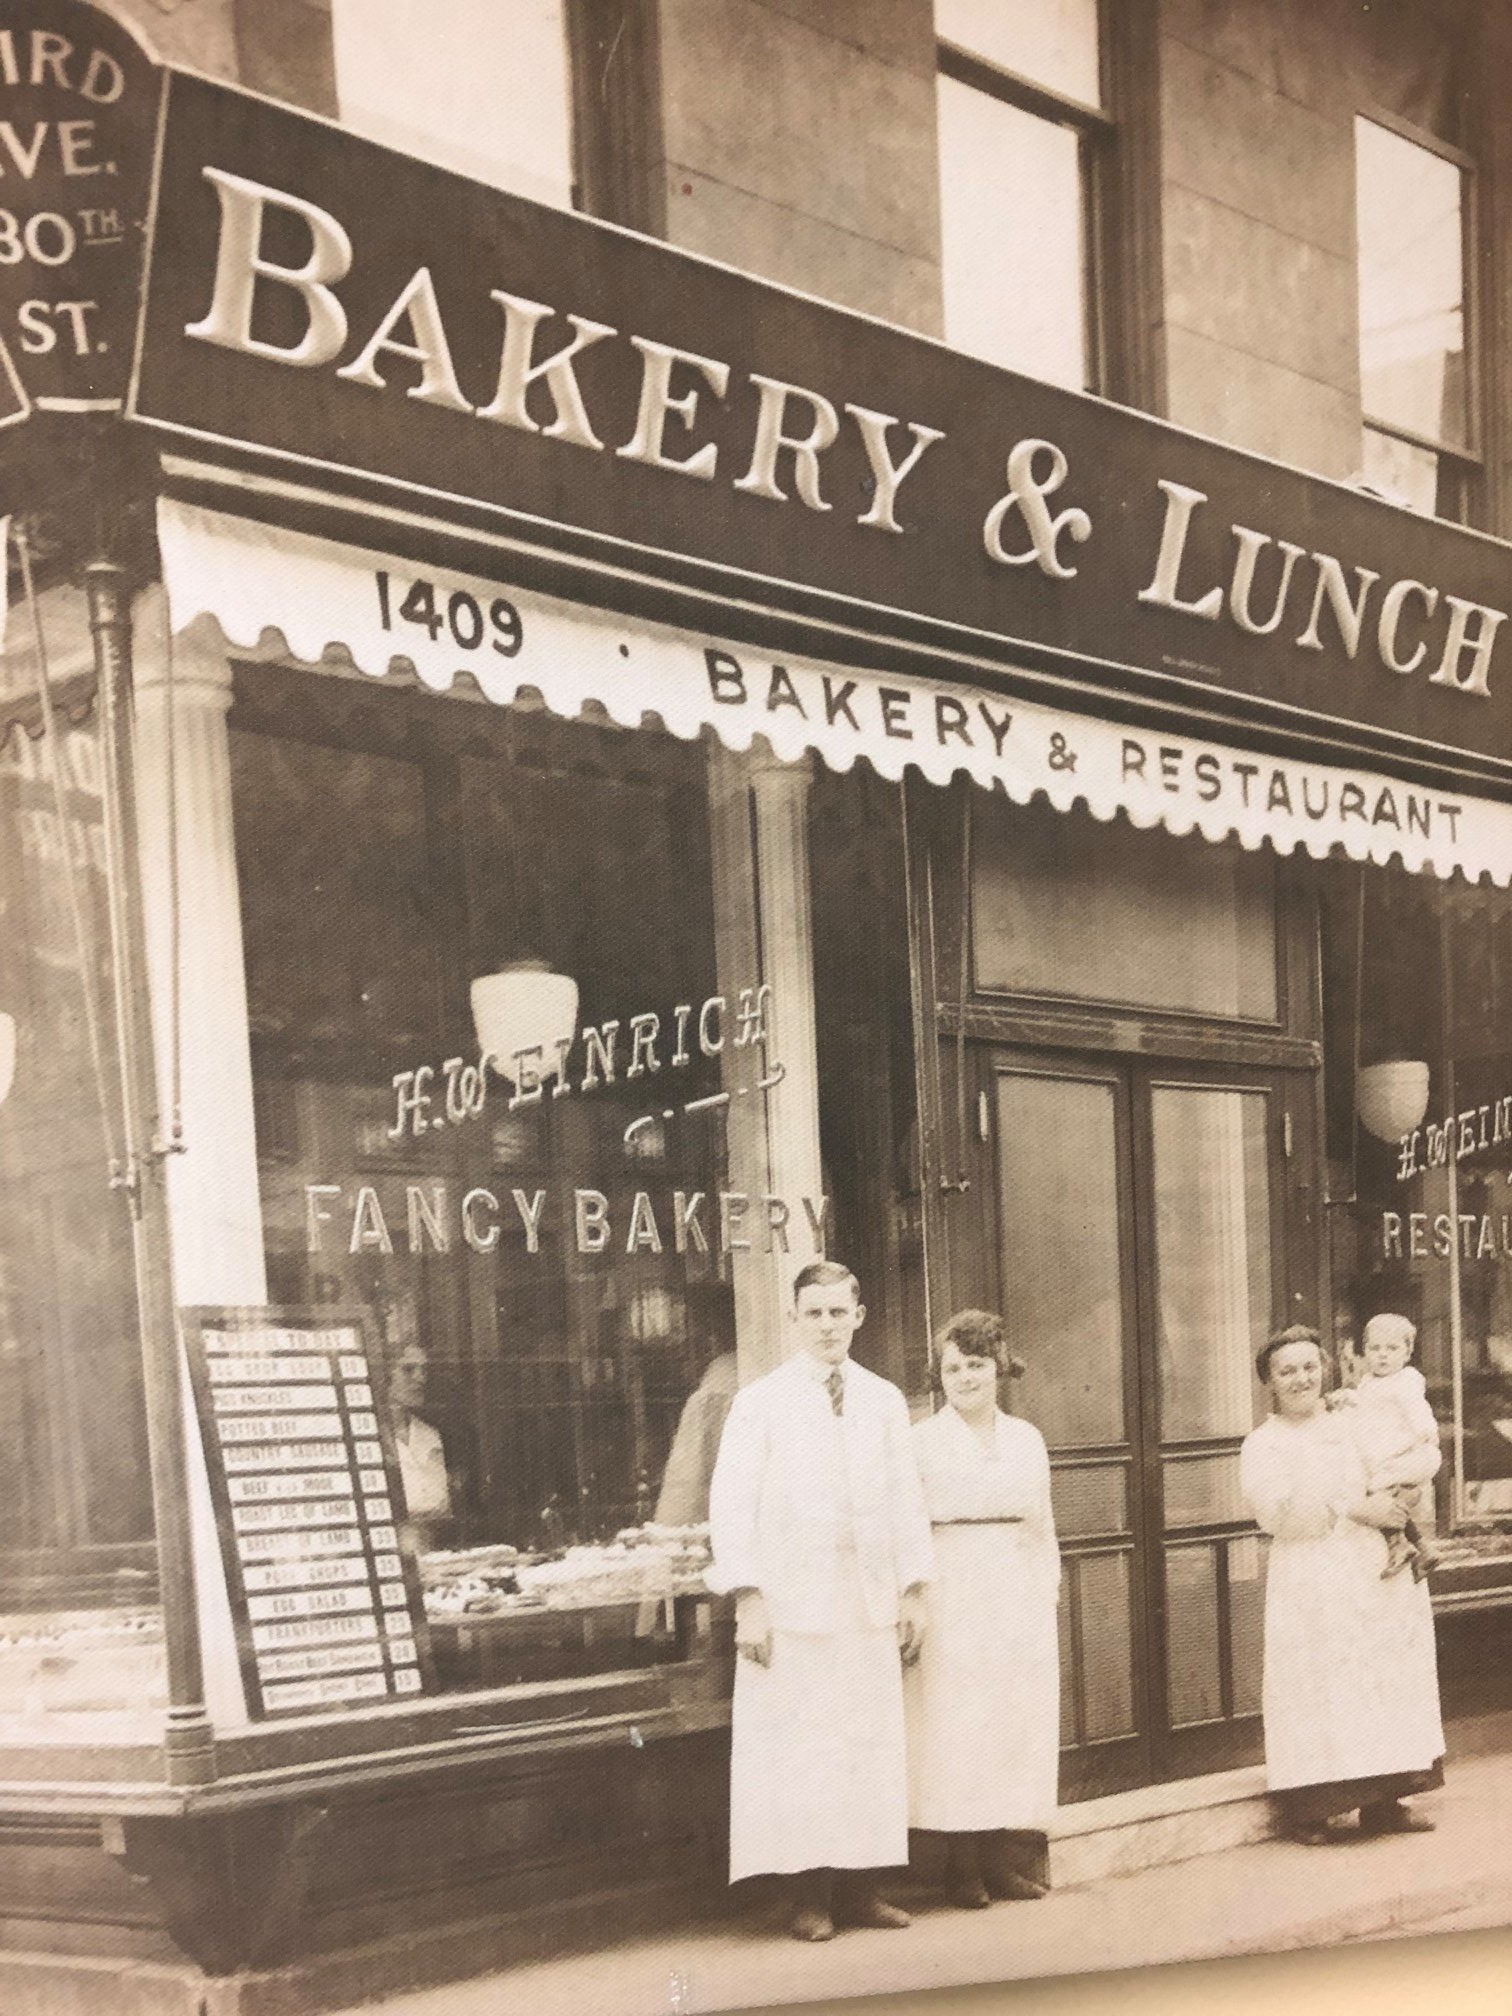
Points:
(1061, 1291)
(1213, 1255)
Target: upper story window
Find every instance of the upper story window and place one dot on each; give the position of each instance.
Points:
(1417, 387)
(1022, 116)
(479, 86)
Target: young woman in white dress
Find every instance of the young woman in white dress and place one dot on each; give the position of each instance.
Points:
(984, 1697)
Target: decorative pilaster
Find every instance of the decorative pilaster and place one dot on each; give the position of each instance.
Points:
(212, 1185)
(192, 911)
(764, 934)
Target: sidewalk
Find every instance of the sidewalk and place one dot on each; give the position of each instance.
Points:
(1269, 1896)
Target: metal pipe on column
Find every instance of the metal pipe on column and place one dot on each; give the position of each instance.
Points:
(188, 1741)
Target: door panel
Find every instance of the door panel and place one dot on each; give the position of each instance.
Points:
(1060, 1217)
(1065, 1232)
(1142, 1262)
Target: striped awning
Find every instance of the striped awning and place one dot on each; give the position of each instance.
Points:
(311, 597)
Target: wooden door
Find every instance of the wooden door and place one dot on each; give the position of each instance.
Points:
(1142, 1260)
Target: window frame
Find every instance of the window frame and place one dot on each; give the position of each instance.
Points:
(1466, 465)
(1120, 183)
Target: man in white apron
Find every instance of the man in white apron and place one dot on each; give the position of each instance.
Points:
(819, 1529)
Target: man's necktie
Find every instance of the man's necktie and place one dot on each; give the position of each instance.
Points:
(835, 1387)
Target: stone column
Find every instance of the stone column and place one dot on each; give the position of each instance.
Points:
(212, 1185)
(764, 934)
(780, 793)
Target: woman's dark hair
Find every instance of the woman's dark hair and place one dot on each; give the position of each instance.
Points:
(978, 1333)
(1294, 1333)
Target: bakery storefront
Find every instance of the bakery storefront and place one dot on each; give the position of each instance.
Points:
(573, 781)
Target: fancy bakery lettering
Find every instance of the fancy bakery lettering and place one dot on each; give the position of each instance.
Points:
(437, 1217)
(783, 433)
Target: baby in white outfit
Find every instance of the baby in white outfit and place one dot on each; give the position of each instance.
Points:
(1399, 1435)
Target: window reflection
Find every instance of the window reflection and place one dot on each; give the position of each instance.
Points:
(546, 1277)
(80, 1631)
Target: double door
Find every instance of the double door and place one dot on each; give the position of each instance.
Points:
(1150, 1227)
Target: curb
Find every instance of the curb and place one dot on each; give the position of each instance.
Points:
(1383, 1916)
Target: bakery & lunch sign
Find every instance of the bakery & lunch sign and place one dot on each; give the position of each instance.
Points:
(372, 325)
(363, 323)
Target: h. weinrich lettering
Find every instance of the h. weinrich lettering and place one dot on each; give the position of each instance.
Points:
(697, 419)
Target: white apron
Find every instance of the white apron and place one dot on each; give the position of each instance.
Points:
(984, 1699)
(814, 1736)
(1351, 1676)
(824, 1515)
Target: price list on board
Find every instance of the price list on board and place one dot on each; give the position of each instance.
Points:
(324, 1587)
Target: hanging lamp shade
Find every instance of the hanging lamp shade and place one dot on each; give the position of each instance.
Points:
(523, 1007)
(1392, 1097)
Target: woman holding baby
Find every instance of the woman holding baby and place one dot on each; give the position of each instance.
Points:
(1350, 1694)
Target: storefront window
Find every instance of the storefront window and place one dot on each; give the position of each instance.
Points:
(540, 1253)
(81, 1651)
(1420, 978)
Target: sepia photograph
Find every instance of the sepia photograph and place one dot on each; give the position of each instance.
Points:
(755, 998)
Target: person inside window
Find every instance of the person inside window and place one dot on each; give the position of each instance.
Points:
(420, 1449)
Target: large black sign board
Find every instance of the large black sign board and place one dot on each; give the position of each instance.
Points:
(1109, 551)
(325, 1593)
(78, 104)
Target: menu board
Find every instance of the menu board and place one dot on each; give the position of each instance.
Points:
(320, 1566)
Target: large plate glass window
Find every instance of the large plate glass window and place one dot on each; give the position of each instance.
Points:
(81, 1639)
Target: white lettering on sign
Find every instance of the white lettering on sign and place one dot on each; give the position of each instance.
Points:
(314, 1631)
(1420, 1235)
(791, 429)
(289, 1694)
(302, 1574)
(1330, 604)
(308, 1603)
(231, 1371)
(334, 1659)
(303, 1547)
(788, 434)
(275, 1456)
(279, 1428)
(314, 1484)
(325, 1512)
(1456, 1138)
(268, 1399)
